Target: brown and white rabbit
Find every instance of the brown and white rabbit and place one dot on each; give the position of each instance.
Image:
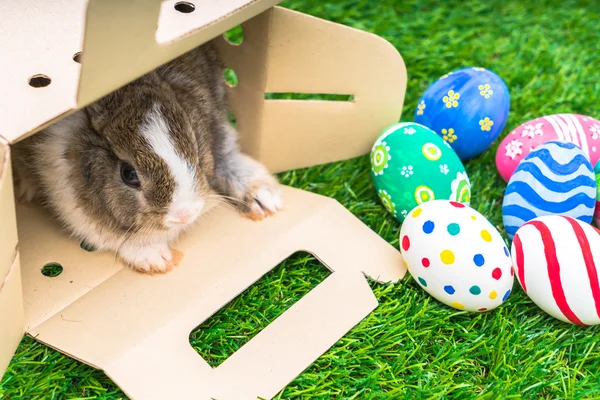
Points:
(134, 170)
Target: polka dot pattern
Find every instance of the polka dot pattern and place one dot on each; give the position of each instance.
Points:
(457, 205)
(405, 243)
(486, 235)
(428, 227)
(497, 273)
(449, 289)
(475, 290)
(447, 257)
(479, 260)
(457, 256)
(458, 305)
(453, 229)
(506, 295)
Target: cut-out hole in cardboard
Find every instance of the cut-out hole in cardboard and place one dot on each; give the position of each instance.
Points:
(235, 35)
(77, 57)
(309, 96)
(52, 270)
(232, 119)
(39, 81)
(230, 77)
(217, 338)
(185, 7)
(87, 247)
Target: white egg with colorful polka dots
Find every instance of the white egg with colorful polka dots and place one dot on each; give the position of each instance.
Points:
(457, 256)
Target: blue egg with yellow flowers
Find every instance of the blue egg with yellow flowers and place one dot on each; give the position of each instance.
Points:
(468, 108)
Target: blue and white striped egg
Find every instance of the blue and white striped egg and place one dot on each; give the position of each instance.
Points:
(467, 107)
(556, 178)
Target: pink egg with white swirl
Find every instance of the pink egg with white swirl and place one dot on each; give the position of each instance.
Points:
(581, 130)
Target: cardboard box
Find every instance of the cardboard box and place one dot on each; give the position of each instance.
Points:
(136, 327)
(11, 298)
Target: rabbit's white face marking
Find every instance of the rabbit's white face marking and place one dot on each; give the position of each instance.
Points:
(186, 205)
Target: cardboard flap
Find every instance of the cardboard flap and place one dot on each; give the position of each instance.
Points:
(309, 55)
(38, 38)
(125, 310)
(11, 298)
(264, 365)
(41, 38)
(11, 312)
(279, 353)
(129, 48)
(8, 221)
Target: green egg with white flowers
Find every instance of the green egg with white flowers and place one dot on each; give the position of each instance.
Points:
(411, 165)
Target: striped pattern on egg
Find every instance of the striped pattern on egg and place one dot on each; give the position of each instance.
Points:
(556, 262)
(580, 130)
(597, 210)
(554, 179)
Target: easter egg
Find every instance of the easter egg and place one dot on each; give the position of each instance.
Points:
(456, 255)
(411, 165)
(597, 209)
(556, 261)
(468, 108)
(578, 129)
(554, 179)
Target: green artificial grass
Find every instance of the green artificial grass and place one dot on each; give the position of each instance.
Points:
(412, 346)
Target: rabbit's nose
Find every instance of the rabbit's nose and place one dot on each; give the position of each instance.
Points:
(182, 216)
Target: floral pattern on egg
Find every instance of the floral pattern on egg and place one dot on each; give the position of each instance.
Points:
(578, 129)
(467, 107)
(412, 165)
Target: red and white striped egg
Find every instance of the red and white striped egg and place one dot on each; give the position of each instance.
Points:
(556, 261)
(578, 129)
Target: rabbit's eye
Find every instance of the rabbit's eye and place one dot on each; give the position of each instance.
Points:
(129, 176)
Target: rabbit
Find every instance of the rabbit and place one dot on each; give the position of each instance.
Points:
(134, 170)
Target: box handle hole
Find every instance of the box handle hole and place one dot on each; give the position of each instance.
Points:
(52, 270)
(39, 80)
(77, 57)
(244, 317)
(185, 7)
